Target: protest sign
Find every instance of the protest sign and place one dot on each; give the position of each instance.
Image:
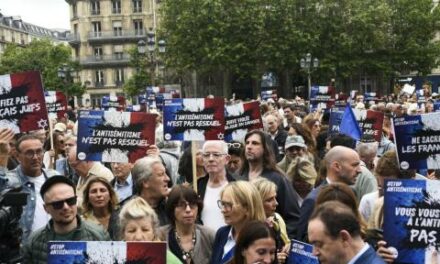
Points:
(321, 97)
(370, 122)
(417, 139)
(412, 220)
(194, 119)
(106, 252)
(301, 252)
(22, 104)
(110, 136)
(269, 94)
(335, 120)
(113, 103)
(56, 104)
(155, 96)
(241, 118)
(341, 100)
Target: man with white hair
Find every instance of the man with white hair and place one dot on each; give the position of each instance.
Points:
(215, 158)
(278, 135)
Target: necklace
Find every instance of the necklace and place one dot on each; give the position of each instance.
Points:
(186, 255)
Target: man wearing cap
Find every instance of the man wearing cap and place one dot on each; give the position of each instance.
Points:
(295, 147)
(59, 197)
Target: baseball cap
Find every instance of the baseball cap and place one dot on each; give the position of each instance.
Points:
(294, 140)
(60, 127)
(54, 180)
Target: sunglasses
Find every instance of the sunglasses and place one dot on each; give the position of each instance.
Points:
(234, 145)
(60, 204)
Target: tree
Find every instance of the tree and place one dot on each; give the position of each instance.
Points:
(141, 78)
(45, 57)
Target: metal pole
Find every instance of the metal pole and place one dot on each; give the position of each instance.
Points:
(309, 82)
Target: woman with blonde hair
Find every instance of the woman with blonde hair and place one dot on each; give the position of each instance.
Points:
(100, 203)
(139, 222)
(240, 202)
(268, 193)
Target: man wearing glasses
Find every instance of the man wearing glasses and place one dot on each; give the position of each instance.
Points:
(31, 177)
(59, 196)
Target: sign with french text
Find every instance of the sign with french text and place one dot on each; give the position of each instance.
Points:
(301, 252)
(113, 103)
(196, 119)
(240, 119)
(56, 104)
(110, 136)
(321, 97)
(22, 103)
(412, 220)
(370, 122)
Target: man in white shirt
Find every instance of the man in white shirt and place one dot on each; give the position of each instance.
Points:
(215, 157)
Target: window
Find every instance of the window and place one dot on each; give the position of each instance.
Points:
(116, 6)
(117, 28)
(138, 26)
(98, 53)
(74, 10)
(99, 78)
(96, 28)
(119, 76)
(137, 6)
(118, 52)
(95, 8)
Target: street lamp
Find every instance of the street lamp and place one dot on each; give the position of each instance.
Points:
(67, 73)
(150, 46)
(307, 64)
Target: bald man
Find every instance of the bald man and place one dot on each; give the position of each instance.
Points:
(343, 166)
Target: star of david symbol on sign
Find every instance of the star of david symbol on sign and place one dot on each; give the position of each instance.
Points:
(42, 123)
(220, 136)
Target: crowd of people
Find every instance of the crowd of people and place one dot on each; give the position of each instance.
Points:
(289, 180)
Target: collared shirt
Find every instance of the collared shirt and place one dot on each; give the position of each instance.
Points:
(124, 189)
(230, 243)
(359, 254)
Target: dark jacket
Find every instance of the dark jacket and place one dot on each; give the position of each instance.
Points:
(35, 250)
(369, 257)
(306, 211)
(280, 139)
(288, 206)
(221, 237)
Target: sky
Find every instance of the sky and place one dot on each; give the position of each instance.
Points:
(45, 13)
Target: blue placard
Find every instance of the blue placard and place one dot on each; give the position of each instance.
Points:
(412, 219)
(301, 252)
(335, 120)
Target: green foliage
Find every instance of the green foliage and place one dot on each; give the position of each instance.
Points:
(141, 78)
(45, 57)
(249, 37)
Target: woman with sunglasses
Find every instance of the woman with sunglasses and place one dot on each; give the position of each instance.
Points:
(190, 242)
(240, 203)
(100, 203)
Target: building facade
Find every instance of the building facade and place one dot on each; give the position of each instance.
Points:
(13, 30)
(102, 33)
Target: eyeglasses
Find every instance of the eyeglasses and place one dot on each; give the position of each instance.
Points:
(185, 204)
(57, 205)
(234, 145)
(224, 205)
(215, 155)
(30, 153)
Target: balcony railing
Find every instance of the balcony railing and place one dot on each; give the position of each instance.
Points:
(116, 35)
(116, 10)
(95, 12)
(99, 84)
(114, 59)
(73, 38)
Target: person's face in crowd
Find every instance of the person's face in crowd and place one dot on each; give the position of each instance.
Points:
(316, 128)
(233, 213)
(272, 124)
(121, 170)
(381, 181)
(140, 229)
(289, 114)
(99, 195)
(235, 163)
(327, 249)
(60, 143)
(68, 144)
(30, 156)
(302, 187)
(214, 158)
(186, 213)
(429, 108)
(349, 168)
(360, 99)
(199, 158)
(61, 193)
(292, 131)
(262, 251)
(71, 157)
(369, 160)
(270, 203)
(158, 181)
(294, 152)
(254, 148)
